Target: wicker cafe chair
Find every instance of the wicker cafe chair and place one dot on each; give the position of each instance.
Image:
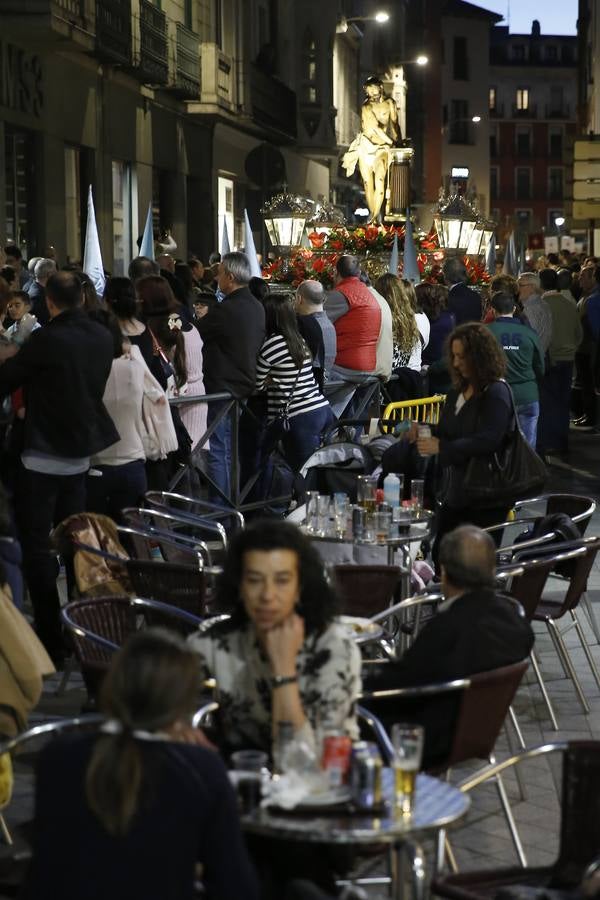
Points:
(478, 713)
(99, 626)
(366, 590)
(579, 829)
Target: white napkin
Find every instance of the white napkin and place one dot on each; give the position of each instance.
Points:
(287, 791)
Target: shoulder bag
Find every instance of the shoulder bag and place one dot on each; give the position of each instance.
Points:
(511, 473)
(281, 423)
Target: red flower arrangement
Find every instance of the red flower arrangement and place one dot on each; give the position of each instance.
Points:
(372, 238)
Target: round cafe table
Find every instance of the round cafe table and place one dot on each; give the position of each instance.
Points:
(437, 805)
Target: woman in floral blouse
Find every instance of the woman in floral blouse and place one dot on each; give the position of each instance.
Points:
(281, 656)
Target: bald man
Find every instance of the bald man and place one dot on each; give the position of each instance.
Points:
(476, 629)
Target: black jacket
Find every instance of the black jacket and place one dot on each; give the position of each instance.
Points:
(482, 630)
(37, 293)
(464, 303)
(233, 332)
(63, 369)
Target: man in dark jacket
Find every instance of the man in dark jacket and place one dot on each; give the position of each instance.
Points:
(63, 370)
(463, 302)
(233, 332)
(475, 630)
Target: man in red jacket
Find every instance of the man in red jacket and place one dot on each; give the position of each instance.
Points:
(356, 315)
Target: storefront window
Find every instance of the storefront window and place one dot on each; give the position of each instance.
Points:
(225, 211)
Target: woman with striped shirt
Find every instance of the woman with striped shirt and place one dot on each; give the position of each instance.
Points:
(284, 367)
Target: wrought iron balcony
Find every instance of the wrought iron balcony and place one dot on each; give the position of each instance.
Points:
(187, 68)
(273, 103)
(558, 111)
(46, 21)
(152, 63)
(113, 31)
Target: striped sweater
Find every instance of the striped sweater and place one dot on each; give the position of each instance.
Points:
(276, 368)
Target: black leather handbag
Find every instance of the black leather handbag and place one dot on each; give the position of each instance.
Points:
(512, 473)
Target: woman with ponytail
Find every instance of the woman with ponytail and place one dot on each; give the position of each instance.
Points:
(131, 811)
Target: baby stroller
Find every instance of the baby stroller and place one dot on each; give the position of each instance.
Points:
(336, 465)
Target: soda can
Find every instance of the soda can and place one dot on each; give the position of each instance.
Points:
(335, 761)
(365, 775)
(359, 522)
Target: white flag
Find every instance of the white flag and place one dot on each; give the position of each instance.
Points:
(92, 256)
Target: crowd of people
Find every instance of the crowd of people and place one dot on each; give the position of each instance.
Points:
(104, 399)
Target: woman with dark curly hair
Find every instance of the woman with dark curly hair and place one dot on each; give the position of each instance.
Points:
(433, 299)
(281, 657)
(474, 421)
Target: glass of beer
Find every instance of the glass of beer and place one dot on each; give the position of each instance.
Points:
(407, 741)
(366, 492)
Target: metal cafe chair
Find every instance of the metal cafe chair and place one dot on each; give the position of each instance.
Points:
(579, 827)
(38, 733)
(99, 626)
(481, 709)
(195, 509)
(210, 533)
(148, 542)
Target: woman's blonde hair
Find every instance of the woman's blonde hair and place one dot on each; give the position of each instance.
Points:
(404, 325)
(151, 684)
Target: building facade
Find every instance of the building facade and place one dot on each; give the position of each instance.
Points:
(170, 104)
(533, 123)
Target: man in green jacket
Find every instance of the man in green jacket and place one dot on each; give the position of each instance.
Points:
(524, 361)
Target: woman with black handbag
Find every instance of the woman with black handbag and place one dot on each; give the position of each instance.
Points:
(486, 463)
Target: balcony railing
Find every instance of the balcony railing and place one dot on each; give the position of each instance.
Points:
(152, 64)
(558, 111)
(44, 21)
(113, 31)
(217, 81)
(497, 112)
(529, 113)
(273, 103)
(187, 65)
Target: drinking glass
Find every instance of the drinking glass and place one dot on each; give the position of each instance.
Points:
(324, 510)
(416, 493)
(366, 492)
(341, 503)
(383, 524)
(312, 511)
(407, 741)
(250, 768)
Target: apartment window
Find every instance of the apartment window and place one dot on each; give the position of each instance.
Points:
(460, 59)
(523, 183)
(492, 99)
(522, 98)
(494, 183)
(493, 143)
(555, 183)
(73, 203)
(218, 20)
(555, 142)
(124, 200)
(556, 100)
(459, 126)
(567, 54)
(310, 67)
(551, 53)
(553, 215)
(188, 14)
(523, 142)
(523, 218)
(518, 52)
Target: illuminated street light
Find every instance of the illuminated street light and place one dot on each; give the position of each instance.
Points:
(476, 119)
(559, 221)
(379, 17)
(422, 60)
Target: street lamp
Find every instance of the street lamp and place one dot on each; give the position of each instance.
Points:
(380, 17)
(422, 60)
(455, 221)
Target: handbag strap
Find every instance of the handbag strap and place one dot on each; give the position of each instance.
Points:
(285, 407)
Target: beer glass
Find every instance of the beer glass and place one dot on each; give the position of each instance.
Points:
(366, 492)
(407, 741)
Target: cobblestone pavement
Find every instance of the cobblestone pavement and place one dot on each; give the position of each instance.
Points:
(482, 840)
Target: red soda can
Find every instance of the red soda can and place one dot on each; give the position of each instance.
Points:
(337, 748)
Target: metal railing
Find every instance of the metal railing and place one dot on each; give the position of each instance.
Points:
(187, 62)
(426, 409)
(153, 61)
(113, 31)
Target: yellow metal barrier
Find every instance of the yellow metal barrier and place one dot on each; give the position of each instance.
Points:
(425, 409)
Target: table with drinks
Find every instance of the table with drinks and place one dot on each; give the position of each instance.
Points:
(380, 519)
(354, 800)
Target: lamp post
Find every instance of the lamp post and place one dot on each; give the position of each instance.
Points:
(285, 216)
(380, 17)
(455, 221)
